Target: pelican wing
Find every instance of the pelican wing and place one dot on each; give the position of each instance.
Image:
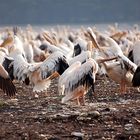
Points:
(21, 68)
(81, 57)
(136, 77)
(3, 54)
(38, 84)
(50, 48)
(83, 76)
(56, 62)
(5, 82)
(136, 53)
(8, 66)
(131, 66)
(69, 70)
(66, 75)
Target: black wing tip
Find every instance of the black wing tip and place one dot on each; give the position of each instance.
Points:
(27, 81)
(8, 87)
(131, 56)
(63, 65)
(8, 66)
(77, 50)
(136, 77)
(11, 89)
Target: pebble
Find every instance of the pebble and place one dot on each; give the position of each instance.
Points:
(94, 113)
(77, 134)
(128, 127)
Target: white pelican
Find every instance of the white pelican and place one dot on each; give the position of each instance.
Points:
(115, 50)
(28, 46)
(121, 76)
(78, 80)
(38, 74)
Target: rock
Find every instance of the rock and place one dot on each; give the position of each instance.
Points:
(81, 118)
(128, 127)
(94, 114)
(113, 109)
(2, 103)
(137, 120)
(77, 134)
(36, 96)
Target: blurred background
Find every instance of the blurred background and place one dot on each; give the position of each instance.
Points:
(47, 12)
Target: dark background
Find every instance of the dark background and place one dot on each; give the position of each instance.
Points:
(37, 12)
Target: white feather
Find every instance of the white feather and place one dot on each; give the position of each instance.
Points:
(29, 52)
(116, 51)
(77, 74)
(82, 43)
(136, 52)
(50, 63)
(52, 48)
(82, 57)
(18, 44)
(2, 55)
(41, 86)
(66, 75)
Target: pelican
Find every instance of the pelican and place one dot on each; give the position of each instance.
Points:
(121, 71)
(38, 74)
(115, 72)
(80, 78)
(134, 68)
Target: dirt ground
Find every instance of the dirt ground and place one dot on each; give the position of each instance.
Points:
(110, 116)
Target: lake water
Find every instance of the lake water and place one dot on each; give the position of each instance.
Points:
(40, 12)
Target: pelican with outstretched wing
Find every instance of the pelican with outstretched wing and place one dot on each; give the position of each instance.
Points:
(39, 74)
(126, 68)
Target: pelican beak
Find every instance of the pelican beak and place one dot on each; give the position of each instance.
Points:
(54, 75)
(6, 42)
(94, 42)
(118, 35)
(106, 59)
(47, 37)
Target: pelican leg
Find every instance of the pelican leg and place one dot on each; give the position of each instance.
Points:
(54, 75)
(122, 86)
(95, 96)
(83, 99)
(78, 101)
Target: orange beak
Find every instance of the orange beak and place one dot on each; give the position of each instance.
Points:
(7, 42)
(106, 59)
(94, 42)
